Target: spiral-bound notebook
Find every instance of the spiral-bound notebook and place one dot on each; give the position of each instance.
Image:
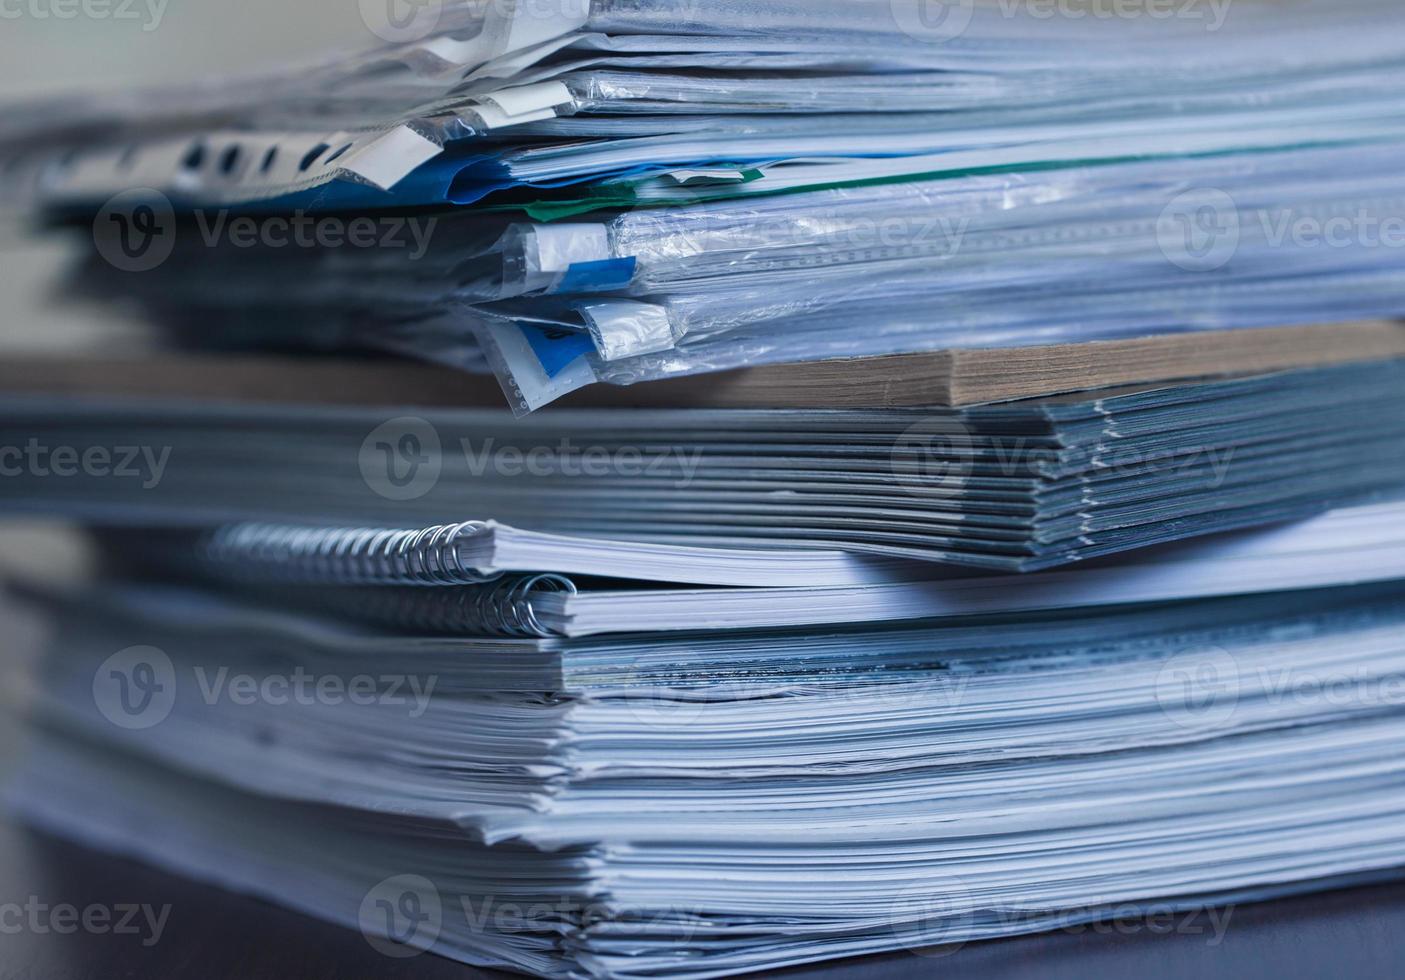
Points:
(469, 580)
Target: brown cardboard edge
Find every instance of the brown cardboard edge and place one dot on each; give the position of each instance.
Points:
(942, 378)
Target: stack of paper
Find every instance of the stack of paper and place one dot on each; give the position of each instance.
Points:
(600, 745)
(1011, 533)
(637, 805)
(640, 190)
(1015, 486)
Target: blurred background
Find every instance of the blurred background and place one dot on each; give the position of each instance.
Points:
(153, 42)
(186, 39)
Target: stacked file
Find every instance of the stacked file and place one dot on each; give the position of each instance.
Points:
(729, 800)
(1018, 486)
(646, 734)
(569, 192)
(1045, 560)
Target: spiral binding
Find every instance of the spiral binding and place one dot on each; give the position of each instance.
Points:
(344, 556)
(503, 608)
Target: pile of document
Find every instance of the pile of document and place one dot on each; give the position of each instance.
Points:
(640, 189)
(1045, 564)
(934, 784)
(1017, 486)
(664, 728)
(706, 795)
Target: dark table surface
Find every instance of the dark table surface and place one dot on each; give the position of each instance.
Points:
(1356, 933)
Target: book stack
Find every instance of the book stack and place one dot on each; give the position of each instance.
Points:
(808, 597)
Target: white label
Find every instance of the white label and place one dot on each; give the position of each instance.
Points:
(555, 248)
(627, 328)
(392, 157)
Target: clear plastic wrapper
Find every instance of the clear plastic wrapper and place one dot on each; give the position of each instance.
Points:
(985, 260)
(784, 182)
(371, 130)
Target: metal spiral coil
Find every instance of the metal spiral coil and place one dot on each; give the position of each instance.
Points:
(345, 556)
(503, 608)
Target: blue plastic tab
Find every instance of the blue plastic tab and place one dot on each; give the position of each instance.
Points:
(556, 350)
(598, 277)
